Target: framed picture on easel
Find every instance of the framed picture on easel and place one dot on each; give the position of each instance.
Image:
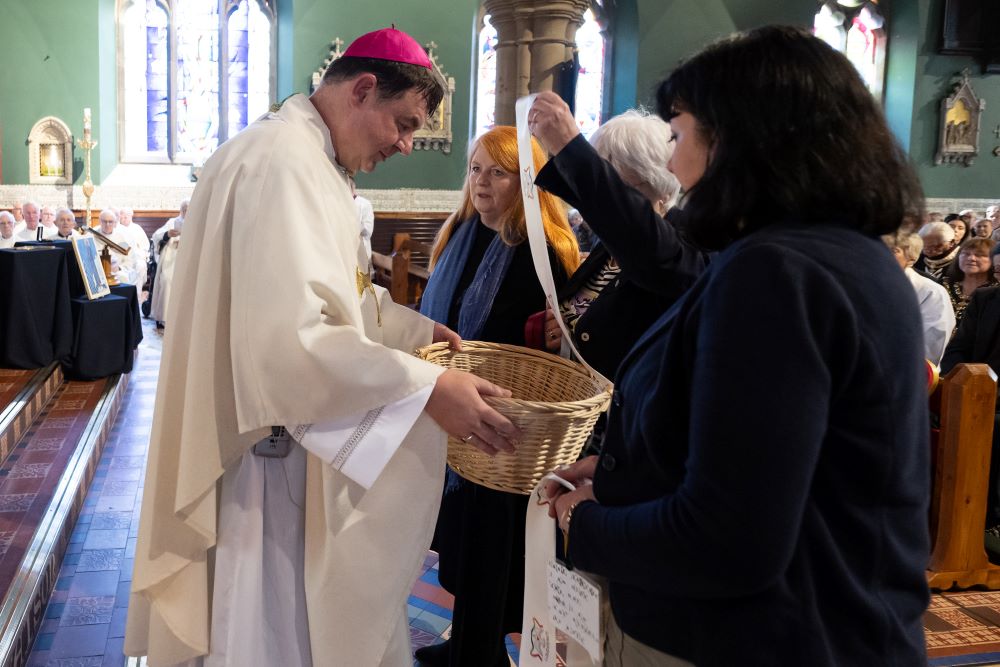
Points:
(89, 261)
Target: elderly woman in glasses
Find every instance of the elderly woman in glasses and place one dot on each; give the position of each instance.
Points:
(973, 269)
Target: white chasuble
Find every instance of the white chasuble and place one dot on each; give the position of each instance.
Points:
(268, 328)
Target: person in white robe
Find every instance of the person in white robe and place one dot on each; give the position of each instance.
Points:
(65, 225)
(166, 243)
(139, 241)
(936, 311)
(366, 214)
(32, 230)
(48, 222)
(307, 559)
(123, 265)
(7, 224)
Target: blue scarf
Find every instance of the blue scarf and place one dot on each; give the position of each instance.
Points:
(477, 302)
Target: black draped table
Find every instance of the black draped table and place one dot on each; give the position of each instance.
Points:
(35, 319)
(98, 337)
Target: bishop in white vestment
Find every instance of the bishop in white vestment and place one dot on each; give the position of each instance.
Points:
(308, 559)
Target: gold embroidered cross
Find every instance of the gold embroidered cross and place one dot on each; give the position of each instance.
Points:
(364, 281)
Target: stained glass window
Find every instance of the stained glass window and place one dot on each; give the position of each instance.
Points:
(856, 30)
(590, 80)
(180, 99)
(486, 88)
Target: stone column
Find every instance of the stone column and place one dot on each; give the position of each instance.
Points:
(534, 37)
(556, 23)
(503, 18)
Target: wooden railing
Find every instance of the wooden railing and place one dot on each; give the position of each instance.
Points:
(966, 402)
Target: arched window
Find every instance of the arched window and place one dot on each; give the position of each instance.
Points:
(192, 74)
(486, 83)
(856, 29)
(592, 54)
(590, 78)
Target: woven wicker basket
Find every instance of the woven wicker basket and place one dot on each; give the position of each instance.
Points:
(555, 403)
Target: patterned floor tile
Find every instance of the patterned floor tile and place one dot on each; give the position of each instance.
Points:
(88, 610)
(110, 520)
(29, 471)
(94, 560)
(106, 539)
(16, 502)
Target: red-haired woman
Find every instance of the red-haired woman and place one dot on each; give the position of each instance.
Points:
(484, 287)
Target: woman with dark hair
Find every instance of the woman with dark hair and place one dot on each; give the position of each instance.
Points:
(483, 285)
(765, 473)
(963, 230)
(972, 270)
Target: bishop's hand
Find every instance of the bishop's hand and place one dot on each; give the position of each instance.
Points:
(457, 406)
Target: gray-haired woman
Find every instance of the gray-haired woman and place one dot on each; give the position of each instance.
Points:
(642, 264)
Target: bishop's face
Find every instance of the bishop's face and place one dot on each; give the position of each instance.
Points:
(108, 225)
(384, 127)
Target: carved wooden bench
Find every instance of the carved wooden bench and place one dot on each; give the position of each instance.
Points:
(965, 400)
(399, 273)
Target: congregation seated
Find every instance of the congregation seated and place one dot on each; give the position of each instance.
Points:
(936, 311)
(7, 229)
(65, 225)
(963, 230)
(940, 249)
(48, 222)
(138, 240)
(124, 265)
(973, 270)
(968, 216)
(18, 212)
(32, 230)
(982, 228)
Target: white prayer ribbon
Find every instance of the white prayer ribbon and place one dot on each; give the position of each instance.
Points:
(555, 596)
(545, 580)
(536, 232)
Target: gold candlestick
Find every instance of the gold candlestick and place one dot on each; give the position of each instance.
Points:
(88, 185)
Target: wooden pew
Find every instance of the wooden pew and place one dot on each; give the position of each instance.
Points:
(399, 272)
(967, 398)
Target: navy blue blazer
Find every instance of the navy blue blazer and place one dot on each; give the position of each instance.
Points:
(657, 264)
(764, 483)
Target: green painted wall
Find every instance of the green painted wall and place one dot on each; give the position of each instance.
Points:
(58, 56)
(669, 30)
(933, 82)
(49, 66)
(317, 22)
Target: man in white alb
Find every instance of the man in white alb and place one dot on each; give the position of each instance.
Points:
(7, 224)
(124, 265)
(66, 225)
(32, 230)
(307, 558)
(139, 241)
(48, 222)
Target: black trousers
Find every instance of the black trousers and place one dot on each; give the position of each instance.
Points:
(480, 536)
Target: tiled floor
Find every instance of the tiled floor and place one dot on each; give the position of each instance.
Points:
(85, 621)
